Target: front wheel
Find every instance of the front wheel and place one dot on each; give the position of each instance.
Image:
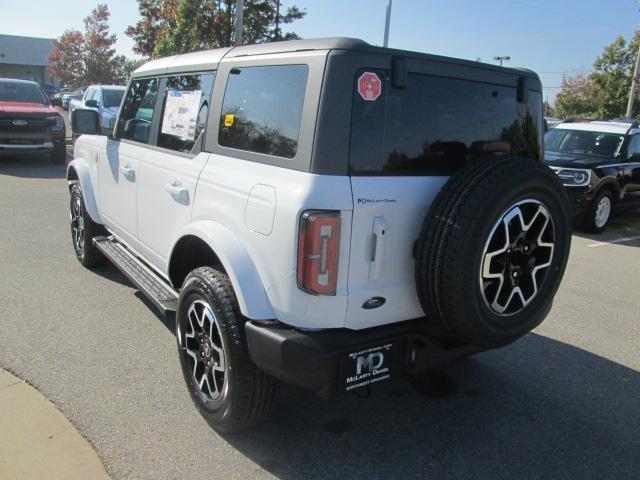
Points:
(599, 213)
(83, 229)
(230, 392)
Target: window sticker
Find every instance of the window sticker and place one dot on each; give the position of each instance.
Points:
(228, 119)
(181, 113)
(369, 86)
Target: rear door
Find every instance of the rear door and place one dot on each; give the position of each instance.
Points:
(405, 144)
(169, 171)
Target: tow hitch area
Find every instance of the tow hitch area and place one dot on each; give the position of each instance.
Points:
(367, 366)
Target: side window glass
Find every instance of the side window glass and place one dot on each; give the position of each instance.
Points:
(634, 147)
(137, 110)
(96, 95)
(89, 94)
(262, 109)
(184, 111)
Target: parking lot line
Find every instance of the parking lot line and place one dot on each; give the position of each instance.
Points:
(610, 242)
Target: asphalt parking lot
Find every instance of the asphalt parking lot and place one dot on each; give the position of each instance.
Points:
(563, 402)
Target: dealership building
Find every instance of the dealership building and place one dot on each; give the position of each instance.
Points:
(26, 58)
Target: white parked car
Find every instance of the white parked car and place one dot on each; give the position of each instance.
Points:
(324, 213)
(104, 99)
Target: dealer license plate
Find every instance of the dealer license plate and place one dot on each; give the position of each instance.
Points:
(367, 366)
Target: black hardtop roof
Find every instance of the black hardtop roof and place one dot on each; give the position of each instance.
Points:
(348, 43)
(332, 43)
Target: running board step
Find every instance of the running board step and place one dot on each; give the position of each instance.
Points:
(144, 278)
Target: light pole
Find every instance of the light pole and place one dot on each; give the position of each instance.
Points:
(501, 58)
(634, 84)
(237, 34)
(386, 23)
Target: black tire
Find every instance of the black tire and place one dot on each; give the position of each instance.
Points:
(59, 155)
(244, 395)
(83, 229)
(457, 233)
(592, 222)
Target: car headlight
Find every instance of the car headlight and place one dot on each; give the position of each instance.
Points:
(57, 123)
(573, 177)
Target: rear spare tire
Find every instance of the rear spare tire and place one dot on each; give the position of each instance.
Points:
(493, 250)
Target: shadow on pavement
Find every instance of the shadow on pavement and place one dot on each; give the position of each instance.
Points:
(539, 409)
(623, 228)
(111, 273)
(31, 166)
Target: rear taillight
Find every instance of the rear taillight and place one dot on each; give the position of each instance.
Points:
(318, 251)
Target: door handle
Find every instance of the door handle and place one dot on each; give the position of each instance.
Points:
(128, 172)
(178, 191)
(380, 234)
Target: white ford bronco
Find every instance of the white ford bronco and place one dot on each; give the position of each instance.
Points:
(323, 213)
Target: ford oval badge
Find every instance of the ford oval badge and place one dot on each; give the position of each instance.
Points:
(374, 302)
(20, 123)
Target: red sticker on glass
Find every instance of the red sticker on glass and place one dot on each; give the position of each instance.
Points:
(369, 86)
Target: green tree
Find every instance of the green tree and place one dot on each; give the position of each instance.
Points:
(612, 73)
(66, 60)
(169, 27)
(80, 59)
(99, 55)
(549, 110)
(579, 96)
(157, 16)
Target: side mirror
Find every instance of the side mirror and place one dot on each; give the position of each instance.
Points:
(56, 102)
(92, 103)
(85, 121)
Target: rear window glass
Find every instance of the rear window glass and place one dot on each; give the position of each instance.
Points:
(262, 109)
(437, 125)
(21, 92)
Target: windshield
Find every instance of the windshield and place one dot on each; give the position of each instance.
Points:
(581, 142)
(112, 98)
(21, 92)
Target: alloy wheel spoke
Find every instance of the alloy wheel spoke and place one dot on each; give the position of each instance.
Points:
(203, 334)
(517, 254)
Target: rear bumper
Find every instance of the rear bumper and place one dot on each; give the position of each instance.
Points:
(315, 360)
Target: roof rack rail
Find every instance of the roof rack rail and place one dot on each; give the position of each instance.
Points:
(633, 123)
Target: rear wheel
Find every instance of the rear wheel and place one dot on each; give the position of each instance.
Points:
(599, 213)
(492, 251)
(230, 392)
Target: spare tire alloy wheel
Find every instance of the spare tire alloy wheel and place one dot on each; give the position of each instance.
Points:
(203, 343)
(516, 257)
(492, 251)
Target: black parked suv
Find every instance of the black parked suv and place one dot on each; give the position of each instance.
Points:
(599, 164)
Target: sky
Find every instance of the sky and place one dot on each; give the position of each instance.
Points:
(551, 37)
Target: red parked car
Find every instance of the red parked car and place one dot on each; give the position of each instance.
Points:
(28, 123)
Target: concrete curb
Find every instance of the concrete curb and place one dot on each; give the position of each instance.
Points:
(37, 441)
